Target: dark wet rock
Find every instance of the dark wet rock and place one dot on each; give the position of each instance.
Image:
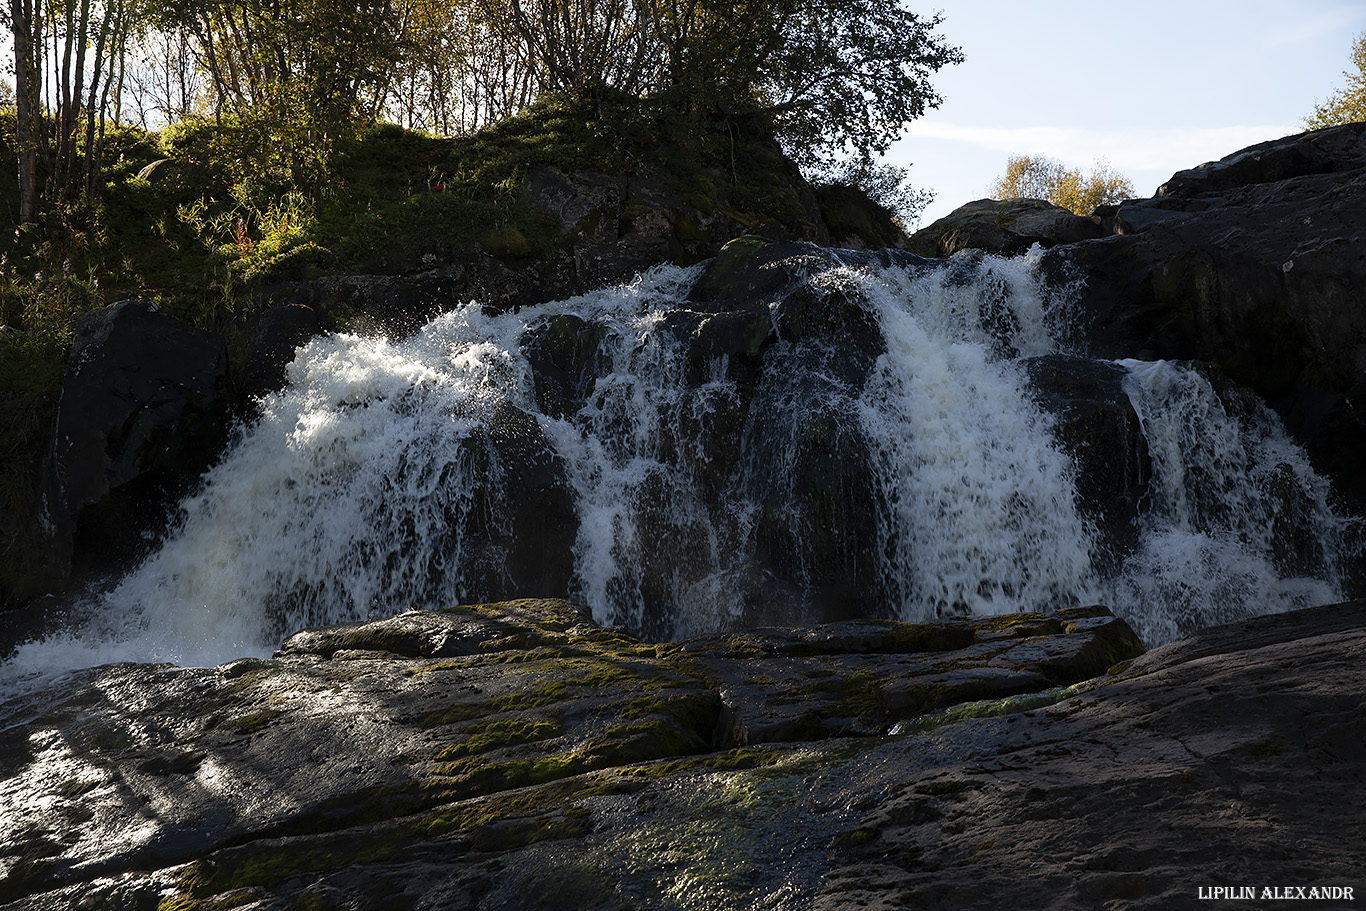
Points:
(534, 539)
(142, 413)
(861, 676)
(279, 333)
(770, 361)
(565, 357)
(381, 305)
(512, 522)
(814, 485)
(1253, 263)
(516, 755)
(1005, 227)
(1097, 425)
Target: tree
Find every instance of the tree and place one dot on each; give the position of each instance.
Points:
(1038, 177)
(294, 69)
(164, 83)
(26, 19)
(1347, 104)
(68, 61)
(580, 46)
(846, 76)
(831, 77)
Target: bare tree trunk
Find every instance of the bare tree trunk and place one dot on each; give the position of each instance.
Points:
(26, 23)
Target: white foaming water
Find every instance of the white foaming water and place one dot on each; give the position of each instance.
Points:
(978, 506)
(1238, 523)
(365, 486)
(644, 531)
(337, 504)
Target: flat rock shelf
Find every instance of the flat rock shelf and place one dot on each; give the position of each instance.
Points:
(517, 755)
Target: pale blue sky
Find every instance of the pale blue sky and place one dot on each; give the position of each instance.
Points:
(1152, 86)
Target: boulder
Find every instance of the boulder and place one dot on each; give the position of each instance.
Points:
(565, 357)
(1332, 150)
(278, 334)
(142, 414)
(1004, 227)
(1096, 424)
(173, 176)
(529, 549)
(856, 222)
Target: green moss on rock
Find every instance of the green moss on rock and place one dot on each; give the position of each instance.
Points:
(499, 733)
(507, 242)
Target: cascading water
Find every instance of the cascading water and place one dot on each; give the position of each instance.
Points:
(978, 504)
(1237, 522)
(917, 477)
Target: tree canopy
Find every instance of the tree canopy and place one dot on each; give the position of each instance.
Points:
(1347, 104)
(835, 77)
(833, 80)
(848, 75)
(1039, 177)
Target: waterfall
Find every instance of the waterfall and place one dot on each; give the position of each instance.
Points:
(1237, 523)
(918, 477)
(978, 506)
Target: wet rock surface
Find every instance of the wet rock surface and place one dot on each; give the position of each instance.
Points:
(142, 413)
(1255, 264)
(517, 756)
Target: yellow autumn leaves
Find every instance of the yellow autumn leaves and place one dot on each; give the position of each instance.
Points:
(1040, 177)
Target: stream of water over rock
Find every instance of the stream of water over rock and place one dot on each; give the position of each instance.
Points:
(370, 484)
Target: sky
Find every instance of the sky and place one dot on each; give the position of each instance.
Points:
(1151, 86)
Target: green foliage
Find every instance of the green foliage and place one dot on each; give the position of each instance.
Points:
(1347, 104)
(848, 75)
(1038, 177)
(885, 184)
(292, 71)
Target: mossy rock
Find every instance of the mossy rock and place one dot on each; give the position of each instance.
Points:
(725, 277)
(507, 243)
(857, 221)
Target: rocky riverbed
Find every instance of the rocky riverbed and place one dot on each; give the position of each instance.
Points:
(516, 755)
